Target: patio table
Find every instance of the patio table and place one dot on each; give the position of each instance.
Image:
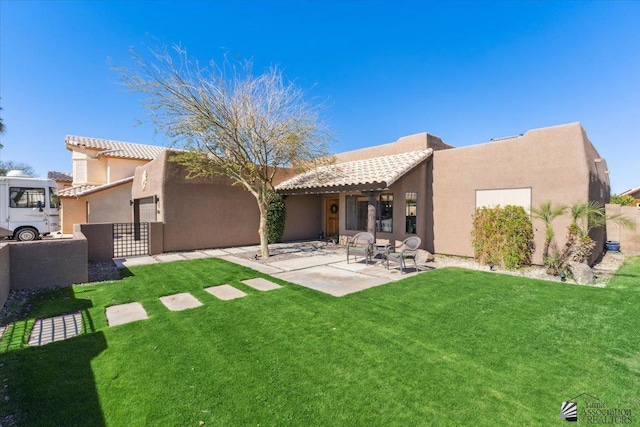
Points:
(379, 249)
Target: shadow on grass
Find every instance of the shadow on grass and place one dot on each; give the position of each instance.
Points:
(53, 384)
(125, 272)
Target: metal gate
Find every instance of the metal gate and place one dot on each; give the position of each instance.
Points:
(147, 209)
(130, 239)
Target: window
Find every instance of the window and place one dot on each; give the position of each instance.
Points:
(411, 205)
(384, 221)
(357, 210)
(504, 197)
(22, 197)
(54, 202)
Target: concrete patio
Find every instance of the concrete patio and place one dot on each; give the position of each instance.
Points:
(315, 265)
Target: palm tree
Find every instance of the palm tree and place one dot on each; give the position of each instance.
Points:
(586, 216)
(547, 213)
(592, 215)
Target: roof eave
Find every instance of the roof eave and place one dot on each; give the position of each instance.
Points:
(363, 188)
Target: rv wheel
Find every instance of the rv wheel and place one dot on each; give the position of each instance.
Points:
(26, 234)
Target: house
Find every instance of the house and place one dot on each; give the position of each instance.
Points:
(62, 179)
(633, 192)
(103, 171)
(415, 186)
(209, 213)
(420, 186)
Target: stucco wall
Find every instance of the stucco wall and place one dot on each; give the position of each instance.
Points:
(111, 205)
(156, 238)
(198, 213)
(100, 170)
(420, 141)
(49, 263)
(74, 211)
(99, 241)
(629, 239)
(5, 276)
(554, 162)
(416, 181)
(154, 183)
(304, 215)
(117, 169)
(199, 216)
(211, 213)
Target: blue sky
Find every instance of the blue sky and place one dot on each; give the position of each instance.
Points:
(464, 71)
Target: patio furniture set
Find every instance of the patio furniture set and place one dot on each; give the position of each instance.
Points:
(364, 245)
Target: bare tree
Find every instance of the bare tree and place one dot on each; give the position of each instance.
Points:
(9, 165)
(3, 129)
(231, 122)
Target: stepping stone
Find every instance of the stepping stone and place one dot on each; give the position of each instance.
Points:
(57, 328)
(261, 284)
(225, 292)
(125, 313)
(179, 302)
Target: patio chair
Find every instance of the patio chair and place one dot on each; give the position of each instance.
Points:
(408, 250)
(360, 244)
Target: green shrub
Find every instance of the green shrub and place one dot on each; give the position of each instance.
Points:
(276, 217)
(626, 200)
(503, 235)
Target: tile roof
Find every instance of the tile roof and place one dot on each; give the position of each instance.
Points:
(60, 176)
(109, 148)
(369, 174)
(84, 190)
(630, 192)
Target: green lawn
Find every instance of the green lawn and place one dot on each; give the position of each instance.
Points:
(448, 347)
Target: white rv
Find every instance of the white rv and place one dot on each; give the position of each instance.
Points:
(29, 207)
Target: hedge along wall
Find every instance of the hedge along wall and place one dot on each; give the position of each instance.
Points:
(503, 236)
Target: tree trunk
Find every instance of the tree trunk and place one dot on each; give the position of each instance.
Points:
(262, 231)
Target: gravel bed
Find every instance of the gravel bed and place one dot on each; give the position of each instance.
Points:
(604, 268)
(100, 271)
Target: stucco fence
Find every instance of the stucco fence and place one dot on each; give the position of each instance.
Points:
(629, 238)
(42, 264)
(61, 262)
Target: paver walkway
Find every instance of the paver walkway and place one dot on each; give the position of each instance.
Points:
(57, 328)
(225, 292)
(261, 284)
(313, 265)
(179, 302)
(125, 313)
